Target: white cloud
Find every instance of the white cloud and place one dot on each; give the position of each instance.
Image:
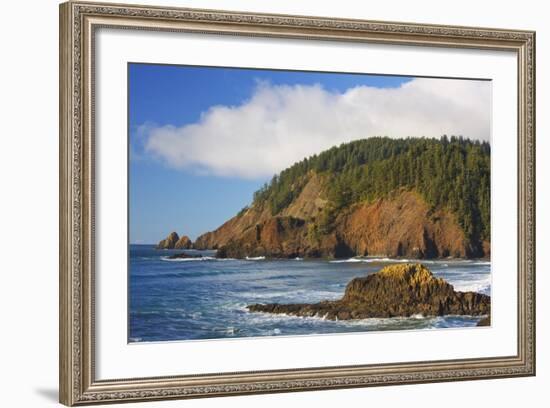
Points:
(280, 125)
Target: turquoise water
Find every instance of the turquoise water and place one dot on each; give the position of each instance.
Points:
(206, 298)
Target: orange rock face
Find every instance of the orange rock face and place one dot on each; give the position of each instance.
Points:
(400, 225)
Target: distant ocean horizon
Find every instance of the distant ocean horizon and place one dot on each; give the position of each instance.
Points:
(206, 298)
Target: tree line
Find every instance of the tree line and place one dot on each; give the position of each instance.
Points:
(452, 172)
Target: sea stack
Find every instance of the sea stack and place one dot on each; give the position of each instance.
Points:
(396, 290)
(184, 243)
(169, 242)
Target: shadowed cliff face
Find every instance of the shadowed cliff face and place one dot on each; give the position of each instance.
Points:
(396, 290)
(400, 225)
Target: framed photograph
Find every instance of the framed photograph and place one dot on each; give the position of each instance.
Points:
(256, 203)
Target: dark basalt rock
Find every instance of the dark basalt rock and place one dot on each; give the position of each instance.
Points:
(396, 290)
(184, 256)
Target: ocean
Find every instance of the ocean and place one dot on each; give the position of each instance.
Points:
(206, 298)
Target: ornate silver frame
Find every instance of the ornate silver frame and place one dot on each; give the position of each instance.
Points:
(78, 22)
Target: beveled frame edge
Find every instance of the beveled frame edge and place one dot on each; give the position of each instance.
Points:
(78, 21)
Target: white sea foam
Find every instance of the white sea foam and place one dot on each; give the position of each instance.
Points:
(369, 260)
(467, 261)
(196, 259)
(373, 322)
(255, 258)
(234, 306)
(352, 260)
(482, 285)
(298, 295)
(407, 260)
(381, 322)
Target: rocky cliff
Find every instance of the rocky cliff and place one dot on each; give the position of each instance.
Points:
(400, 225)
(415, 198)
(396, 290)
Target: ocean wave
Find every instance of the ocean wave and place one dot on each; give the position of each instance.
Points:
(455, 261)
(197, 259)
(280, 277)
(370, 260)
(384, 322)
(255, 258)
(264, 317)
(480, 286)
(234, 306)
(350, 260)
(445, 263)
(370, 324)
(204, 258)
(298, 295)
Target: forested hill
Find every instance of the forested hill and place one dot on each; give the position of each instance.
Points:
(448, 172)
(378, 196)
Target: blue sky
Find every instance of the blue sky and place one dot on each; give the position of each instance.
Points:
(203, 139)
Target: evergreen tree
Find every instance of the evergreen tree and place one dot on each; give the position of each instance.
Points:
(449, 172)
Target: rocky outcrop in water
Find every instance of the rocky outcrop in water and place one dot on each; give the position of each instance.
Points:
(185, 256)
(396, 290)
(184, 242)
(169, 242)
(174, 241)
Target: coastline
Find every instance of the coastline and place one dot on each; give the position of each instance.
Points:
(207, 299)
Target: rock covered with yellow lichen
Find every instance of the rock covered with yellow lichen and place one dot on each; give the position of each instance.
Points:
(395, 290)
